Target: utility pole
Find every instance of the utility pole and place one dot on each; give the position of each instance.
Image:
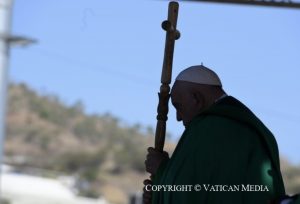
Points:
(6, 40)
(5, 27)
(5, 22)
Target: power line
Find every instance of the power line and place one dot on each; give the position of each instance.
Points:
(94, 67)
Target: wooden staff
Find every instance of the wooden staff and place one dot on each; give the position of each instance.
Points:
(162, 110)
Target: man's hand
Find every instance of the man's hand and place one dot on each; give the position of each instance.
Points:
(154, 159)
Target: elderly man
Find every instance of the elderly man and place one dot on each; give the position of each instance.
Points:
(225, 155)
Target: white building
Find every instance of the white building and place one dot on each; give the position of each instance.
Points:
(27, 189)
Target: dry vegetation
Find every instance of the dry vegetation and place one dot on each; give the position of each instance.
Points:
(105, 156)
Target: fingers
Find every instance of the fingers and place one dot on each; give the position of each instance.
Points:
(151, 149)
(149, 167)
(150, 162)
(154, 159)
(147, 182)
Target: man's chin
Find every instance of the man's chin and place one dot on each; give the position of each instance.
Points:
(186, 123)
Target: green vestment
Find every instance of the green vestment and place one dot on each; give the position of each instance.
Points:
(296, 201)
(224, 148)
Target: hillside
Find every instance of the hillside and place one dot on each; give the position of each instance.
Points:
(106, 156)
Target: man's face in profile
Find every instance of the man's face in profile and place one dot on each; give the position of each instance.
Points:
(185, 102)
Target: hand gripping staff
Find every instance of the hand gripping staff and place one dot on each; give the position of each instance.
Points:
(162, 110)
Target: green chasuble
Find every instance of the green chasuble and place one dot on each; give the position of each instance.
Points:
(296, 201)
(228, 153)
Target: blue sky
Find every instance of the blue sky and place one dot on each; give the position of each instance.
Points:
(108, 54)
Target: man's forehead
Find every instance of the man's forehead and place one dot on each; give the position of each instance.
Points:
(174, 91)
(175, 88)
(179, 87)
(183, 85)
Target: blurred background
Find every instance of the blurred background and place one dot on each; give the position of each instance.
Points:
(82, 94)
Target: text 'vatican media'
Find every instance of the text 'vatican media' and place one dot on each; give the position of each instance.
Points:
(208, 188)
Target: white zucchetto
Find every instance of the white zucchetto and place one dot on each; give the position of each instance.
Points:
(199, 74)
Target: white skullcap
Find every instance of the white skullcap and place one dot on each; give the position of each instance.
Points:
(199, 74)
